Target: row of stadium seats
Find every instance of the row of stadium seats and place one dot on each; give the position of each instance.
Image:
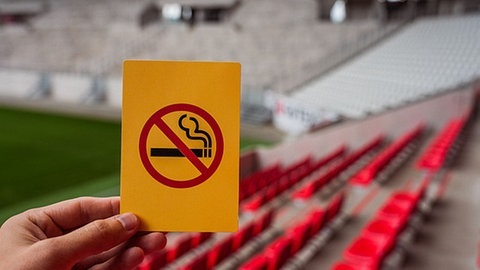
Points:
(295, 237)
(367, 174)
(441, 146)
(183, 245)
(266, 190)
(383, 232)
(307, 190)
(213, 253)
(303, 178)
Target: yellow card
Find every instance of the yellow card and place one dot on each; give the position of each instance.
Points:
(180, 145)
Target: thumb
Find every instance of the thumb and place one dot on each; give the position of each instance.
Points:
(96, 237)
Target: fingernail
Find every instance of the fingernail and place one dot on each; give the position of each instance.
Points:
(128, 220)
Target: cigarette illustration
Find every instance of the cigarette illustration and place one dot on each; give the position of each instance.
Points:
(197, 134)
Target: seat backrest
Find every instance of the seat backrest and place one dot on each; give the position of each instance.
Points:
(278, 252)
(180, 248)
(299, 235)
(258, 262)
(263, 222)
(199, 263)
(219, 252)
(335, 205)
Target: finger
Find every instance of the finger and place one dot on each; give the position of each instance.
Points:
(75, 213)
(100, 258)
(150, 242)
(94, 238)
(128, 260)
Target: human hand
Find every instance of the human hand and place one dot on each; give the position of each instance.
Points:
(83, 233)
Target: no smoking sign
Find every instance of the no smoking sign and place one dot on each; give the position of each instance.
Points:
(181, 145)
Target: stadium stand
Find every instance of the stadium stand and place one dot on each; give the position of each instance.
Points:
(427, 58)
(93, 38)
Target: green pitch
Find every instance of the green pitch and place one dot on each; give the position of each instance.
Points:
(46, 158)
(43, 153)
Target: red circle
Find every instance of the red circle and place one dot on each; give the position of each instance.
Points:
(154, 119)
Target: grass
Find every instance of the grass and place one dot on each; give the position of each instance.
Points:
(46, 158)
(102, 187)
(42, 153)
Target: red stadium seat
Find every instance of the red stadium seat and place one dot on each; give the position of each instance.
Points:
(259, 262)
(363, 177)
(180, 248)
(199, 263)
(263, 222)
(278, 252)
(243, 236)
(380, 226)
(219, 252)
(254, 203)
(283, 184)
(271, 192)
(367, 252)
(395, 208)
(199, 238)
(335, 205)
(408, 198)
(305, 192)
(154, 260)
(317, 220)
(347, 266)
(299, 235)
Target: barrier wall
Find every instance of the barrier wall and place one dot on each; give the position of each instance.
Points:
(114, 92)
(69, 88)
(18, 84)
(62, 87)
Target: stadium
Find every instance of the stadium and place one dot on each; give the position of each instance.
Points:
(359, 122)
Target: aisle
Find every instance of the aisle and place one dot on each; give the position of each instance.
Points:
(450, 238)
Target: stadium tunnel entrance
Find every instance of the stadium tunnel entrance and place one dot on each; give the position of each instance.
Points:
(190, 12)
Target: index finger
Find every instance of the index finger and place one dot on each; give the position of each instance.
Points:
(77, 212)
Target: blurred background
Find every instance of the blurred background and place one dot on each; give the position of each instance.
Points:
(316, 75)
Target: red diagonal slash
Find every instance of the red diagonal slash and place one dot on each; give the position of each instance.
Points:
(186, 151)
